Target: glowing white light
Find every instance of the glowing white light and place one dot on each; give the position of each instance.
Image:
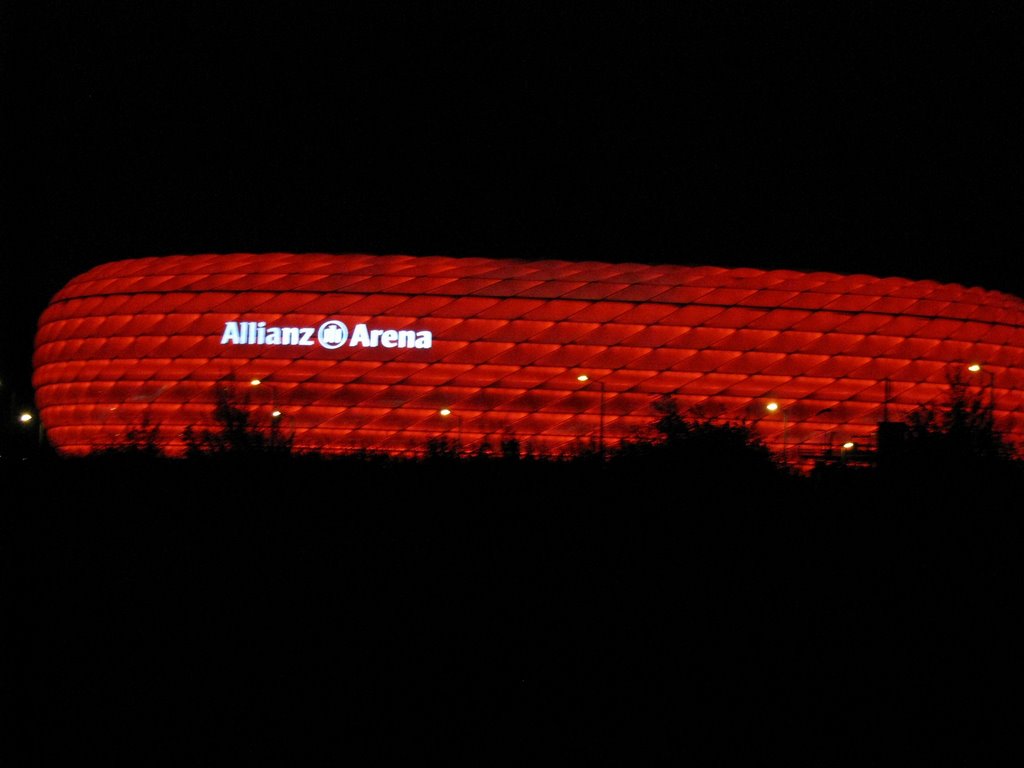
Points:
(255, 382)
(583, 377)
(772, 407)
(445, 412)
(25, 418)
(276, 414)
(973, 367)
(847, 445)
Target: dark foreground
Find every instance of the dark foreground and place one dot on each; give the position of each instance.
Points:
(505, 612)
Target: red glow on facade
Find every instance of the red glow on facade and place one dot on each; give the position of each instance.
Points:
(501, 344)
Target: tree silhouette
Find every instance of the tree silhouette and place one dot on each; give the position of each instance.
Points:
(959, 431)
(240, 433)
(139, 442)
(699, 443)
(442, 448)
(510, 446)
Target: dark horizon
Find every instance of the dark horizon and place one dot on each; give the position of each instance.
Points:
(604, 610)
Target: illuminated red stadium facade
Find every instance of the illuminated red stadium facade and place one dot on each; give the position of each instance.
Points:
(361, 351)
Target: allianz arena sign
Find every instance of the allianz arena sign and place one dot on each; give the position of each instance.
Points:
(331, 334)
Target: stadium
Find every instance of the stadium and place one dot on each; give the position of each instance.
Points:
(348, 352)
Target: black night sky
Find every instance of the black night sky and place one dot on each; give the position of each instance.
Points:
(776, 136)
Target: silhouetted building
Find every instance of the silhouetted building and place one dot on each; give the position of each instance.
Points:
(891, 441)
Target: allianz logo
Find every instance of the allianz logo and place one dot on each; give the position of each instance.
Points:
(331, 334)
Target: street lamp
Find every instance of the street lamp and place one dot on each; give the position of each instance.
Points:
(26, 418)
(848, 445)
(600, 424)
(772, 407)
(977, 368)
(275, 412)
(446, 412)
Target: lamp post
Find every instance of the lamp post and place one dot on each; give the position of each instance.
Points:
(600, 424)
(772, 407)
(977, 368)
(848, 445)
(446, 412)
(26, 418)
(275, 412)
